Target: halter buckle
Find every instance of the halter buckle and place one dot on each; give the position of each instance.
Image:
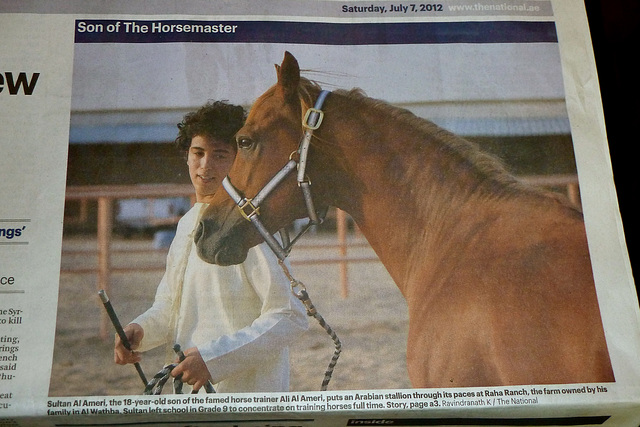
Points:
(252, 210)
(316, 125)
(305, 180)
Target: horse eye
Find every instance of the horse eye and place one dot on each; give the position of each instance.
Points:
(244, 142)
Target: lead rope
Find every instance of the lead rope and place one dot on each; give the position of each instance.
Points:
(303, 296)
(155, 385)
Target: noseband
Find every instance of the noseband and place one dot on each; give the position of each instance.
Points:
(250, 207)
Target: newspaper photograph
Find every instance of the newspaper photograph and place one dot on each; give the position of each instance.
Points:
(294, 213)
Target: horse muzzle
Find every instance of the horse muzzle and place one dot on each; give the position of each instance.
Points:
(217, 246)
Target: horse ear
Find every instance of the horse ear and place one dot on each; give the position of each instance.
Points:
(288, 76)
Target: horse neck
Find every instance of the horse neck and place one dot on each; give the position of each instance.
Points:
(402, 185)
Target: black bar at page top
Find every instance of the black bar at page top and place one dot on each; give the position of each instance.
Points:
(171, 31)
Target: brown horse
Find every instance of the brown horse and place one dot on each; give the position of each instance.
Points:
(496, 274)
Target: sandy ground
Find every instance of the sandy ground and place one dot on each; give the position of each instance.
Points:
(371, 321)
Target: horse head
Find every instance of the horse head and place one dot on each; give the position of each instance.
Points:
(271, 134)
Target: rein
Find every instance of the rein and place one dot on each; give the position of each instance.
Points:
(303, 296)
(250, 210)
(155, 385)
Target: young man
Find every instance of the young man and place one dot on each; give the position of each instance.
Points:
(234, 323)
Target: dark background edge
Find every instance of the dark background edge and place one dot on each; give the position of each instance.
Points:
(615, 33)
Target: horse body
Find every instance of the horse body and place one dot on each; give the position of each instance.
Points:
(496, 275)
(490, 308)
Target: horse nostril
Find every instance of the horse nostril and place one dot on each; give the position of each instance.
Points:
(199, 232)
(205, 227)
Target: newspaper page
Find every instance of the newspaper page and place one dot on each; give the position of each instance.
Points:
(92, 188)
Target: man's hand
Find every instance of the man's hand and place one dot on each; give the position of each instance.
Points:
(121, 355)
(193, 369)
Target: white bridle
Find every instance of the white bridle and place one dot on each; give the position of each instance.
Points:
(250, 207)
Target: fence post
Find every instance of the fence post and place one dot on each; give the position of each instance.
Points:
(341, 225)
(573, 191)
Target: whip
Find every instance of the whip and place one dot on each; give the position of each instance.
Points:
(116, 324)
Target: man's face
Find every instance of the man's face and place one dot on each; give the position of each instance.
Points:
(209, 162)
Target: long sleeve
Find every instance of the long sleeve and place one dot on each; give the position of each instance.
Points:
(157, 321)
(281, 321)
(242, 318)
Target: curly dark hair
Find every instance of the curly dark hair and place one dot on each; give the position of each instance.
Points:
(218, 120)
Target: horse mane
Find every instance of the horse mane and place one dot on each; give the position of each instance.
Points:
(490, 170)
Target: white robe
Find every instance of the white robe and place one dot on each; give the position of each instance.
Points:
(242, 318)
